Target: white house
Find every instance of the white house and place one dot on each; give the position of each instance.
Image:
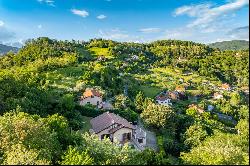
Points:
(225, 87)
(92, 97)
(163, 100)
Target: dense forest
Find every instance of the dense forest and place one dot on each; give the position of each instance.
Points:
(231, 45)
(41, 120)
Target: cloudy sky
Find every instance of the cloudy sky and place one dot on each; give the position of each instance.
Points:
(203, 21)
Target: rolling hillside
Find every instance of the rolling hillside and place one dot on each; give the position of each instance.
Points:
(231, 45)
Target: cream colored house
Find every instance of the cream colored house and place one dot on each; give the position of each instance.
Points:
(113, 127)
(91, 96)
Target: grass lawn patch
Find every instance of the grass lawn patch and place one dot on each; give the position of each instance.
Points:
(150, 91)
(96, 51)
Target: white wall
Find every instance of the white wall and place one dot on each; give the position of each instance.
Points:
(118, 133)
(165, 102)
(92, 101)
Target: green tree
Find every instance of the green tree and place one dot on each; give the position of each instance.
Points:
(139, 100)
(30, 131)
(235, 99)
(18, 154)
(73, 156)
(194, 135)
(156, 115)
(106, 152)
(220, 149)
(68, 102)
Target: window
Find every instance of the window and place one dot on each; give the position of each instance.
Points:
(140, 140)
(92, 96)
(88, 102)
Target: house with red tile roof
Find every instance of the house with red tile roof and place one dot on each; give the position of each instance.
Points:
(91, 96)
(163, 100)
(225, 86)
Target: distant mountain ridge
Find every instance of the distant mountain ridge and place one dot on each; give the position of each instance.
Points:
(4, 49)
(231, 45)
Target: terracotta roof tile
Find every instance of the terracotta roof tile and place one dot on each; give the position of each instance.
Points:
(89, 93)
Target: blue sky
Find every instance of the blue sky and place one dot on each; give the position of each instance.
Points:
(124, 20)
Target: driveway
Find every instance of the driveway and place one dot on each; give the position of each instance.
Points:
(151, 141)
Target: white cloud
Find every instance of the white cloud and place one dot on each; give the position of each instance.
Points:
(1, 23)
(207, 14)
(48, 2)
(239, 33)
(82, 13)
(101, 17)
(150, 30)
(119, 35)
(5, 34)
(39, 26)
(115, 34)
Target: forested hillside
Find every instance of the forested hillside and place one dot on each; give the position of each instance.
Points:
(4, 49)
(42, 122)
(231, 45)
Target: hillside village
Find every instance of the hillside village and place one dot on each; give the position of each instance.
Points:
(110, 102)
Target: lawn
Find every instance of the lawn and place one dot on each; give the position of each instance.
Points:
(150, 91)
(65, 78)
(96, 51)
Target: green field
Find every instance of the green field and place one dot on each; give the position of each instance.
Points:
(150, 91)
(96, 51)
(65, 78)
(159, 79)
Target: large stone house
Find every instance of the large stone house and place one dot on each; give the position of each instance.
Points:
(117, 128)
(91, 96)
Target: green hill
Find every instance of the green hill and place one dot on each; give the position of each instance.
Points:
(231, 45)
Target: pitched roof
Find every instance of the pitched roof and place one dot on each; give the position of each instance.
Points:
(106, 119)
(161, 97)
(225, 86)
(91, 92)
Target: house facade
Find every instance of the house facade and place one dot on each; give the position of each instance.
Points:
(91, 96)
(163, 99)
(225, 87)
